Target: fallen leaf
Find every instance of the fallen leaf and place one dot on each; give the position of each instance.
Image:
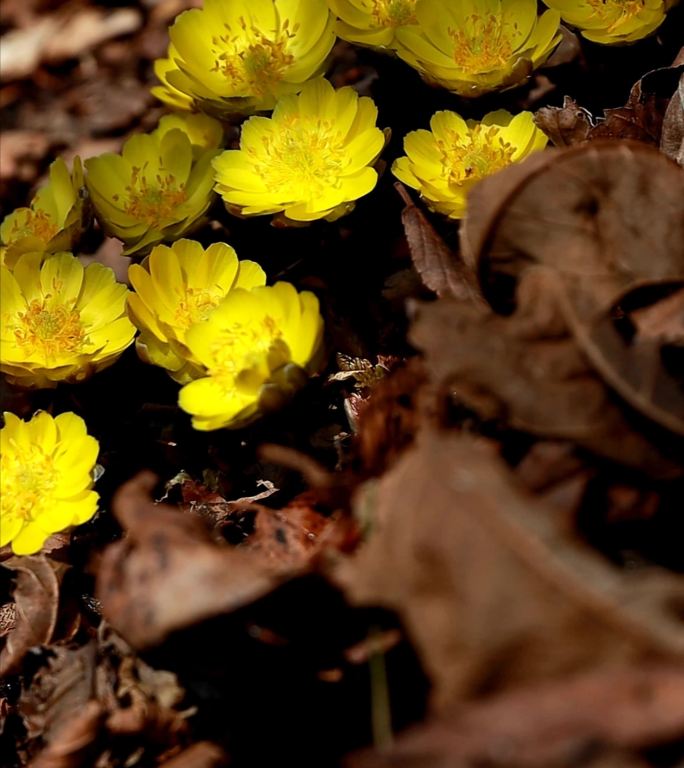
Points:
(663, 320)
(59, 689)
(294, 536)
(566, 125)
(550, 725)
(167, 573)
(203, 754)
(604, 219)
(672, 136)
(440, 269)
(490, 591)
(37, 607)
(642, 118)
(548, 389)
(72, 746)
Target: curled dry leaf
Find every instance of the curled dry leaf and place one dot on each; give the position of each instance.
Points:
(203, 754)
(604, 220)
(643, 118)
(490, 591)
(440, 269)
(566, 125)
(72, 744)
(389, 419)
(62, 687)
(550, 724)
(672, 136)
(167, 573)
(294, 536)
(36, 596)
(548, 388)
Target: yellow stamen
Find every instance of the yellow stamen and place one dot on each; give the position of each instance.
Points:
(155, 205)
(481, 44)
(50, 328)
(484, 154)
(31, 476)
(302, 155)
(394, 13)
(252, 60)
(195, 305)
(241, 347)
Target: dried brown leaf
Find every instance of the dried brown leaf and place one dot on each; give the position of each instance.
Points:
(167, 573)
(663, 320)
(294, 536)
(605, 219)
(72, 745)
(37, 607)
(490, 591)
(440, 269)
(641, 119)
(203, 754)
(550, 724)
(64, 686)
(509, 369)
(672, 136)
(566, 125)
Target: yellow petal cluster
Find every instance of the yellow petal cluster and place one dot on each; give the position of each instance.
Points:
(203, 131)
(311, 160)
(157, 189)
(46, 477)
(612, 21)
(240, 57)
(177, 287)
(446, 161)
(54, 219)
(372, 22)
(472, 47)
(59, 321)
(257, 347)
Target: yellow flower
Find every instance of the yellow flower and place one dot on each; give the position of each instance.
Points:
(166, 92)
(472, 47)
(153, 191)
(241, 56)
(257, 347)
(177, 287)
(445, 162)
(311, 160)
(612, 21)
(59, 321)
(372, 22)
(203, 131)
(46, 477)
(54, 220)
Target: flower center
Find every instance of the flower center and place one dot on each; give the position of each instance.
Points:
(155, 204)
(484, 154)
(394, 13)
(53, 331)
(626, 8)
(243, 347)
(253, 61)
(195, 306)
(481, 44)
(37, 223)
(28, 481)
(303, 158)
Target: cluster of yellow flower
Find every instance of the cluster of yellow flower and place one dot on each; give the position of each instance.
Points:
(236, 346)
